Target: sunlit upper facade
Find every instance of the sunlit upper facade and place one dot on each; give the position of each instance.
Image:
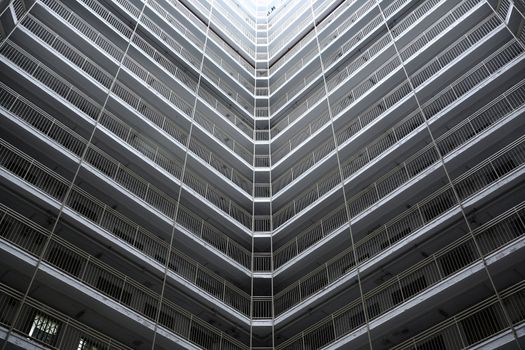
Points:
(262, 174)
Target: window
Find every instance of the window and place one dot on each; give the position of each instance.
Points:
(45, 329)
(86, 344)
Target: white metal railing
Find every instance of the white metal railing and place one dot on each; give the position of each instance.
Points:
(241, 12)
(19, 7)
(349, 68)
(347, 23)
(141, 72)
(454, 50)
(108, 17)
(179, 7)
(306, 56)
(166, 14)
(373, 244)
(262, 307)
(366, 85)
(503, 7)
(316, 94)
(123, 229)
(350, 43)
(82, 26)
(262, 262)
(334, 14)
(211, 75)
(63, 89)
(238, 37)
(65, 137)
(507, 103)
(285, 16)
(230, 51)
(239, 121)
(233, 21)
(70, 333)
(308, 130)
(448, 55)
(228, 113)
(276, 45)
(319, 5)
(372, 194)
(173, 21)
(338, 107)
(133, 10)
(393, 7)
(105, 79)
(108, 281)
(476, 324)
(249, 85)
(282, 12)
(440, 266)
(438, 28)
(75, 56)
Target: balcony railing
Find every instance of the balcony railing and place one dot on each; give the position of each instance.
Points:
(463, 132)
(143, 74)
(393, 7)
(334, 14)
(209, 72)
(440, 266)
(370, 26)
(192, 81)
(240, 39)
(203, 28)
(347, 23)
(373, 244)
(506, 104)
(241, 12)
(212, 100)
(315, 96)
(232, 21)
(312, 76)
(346, 70)
(476, 324)
(68, 332)
(419, 77)
(276, 45)
(249, 85)
(108, 17)
(356, 38)
(277, 27)
(262, 262)
(307, 56)
(231, 52)
(59, 133)
(63, 88)
(362, 88)
(113, 21)
(283, 12)
(130, 234)
(185, 32)
(347, 132)
(108, 281)
(262, 307)
(283, 78)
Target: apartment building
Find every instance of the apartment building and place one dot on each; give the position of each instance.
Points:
(264, 174)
